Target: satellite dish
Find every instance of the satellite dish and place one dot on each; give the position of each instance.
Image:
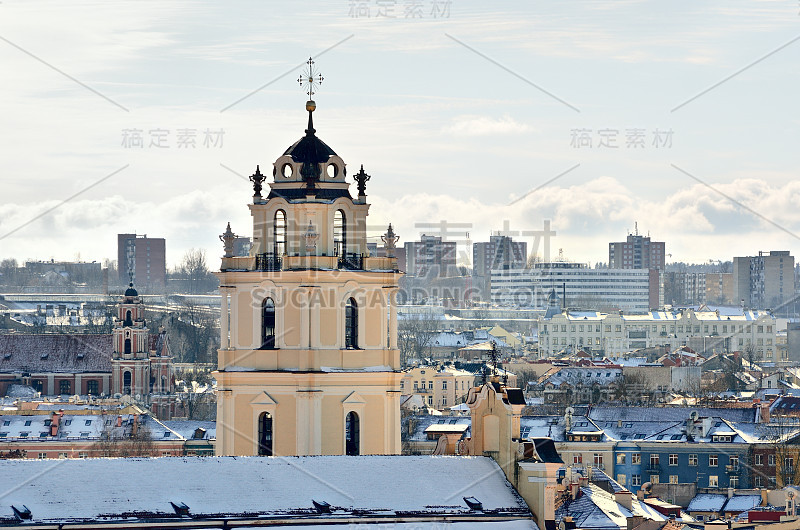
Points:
(570, 410)
(138, 397)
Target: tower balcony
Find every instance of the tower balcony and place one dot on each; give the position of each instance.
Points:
(271, 263)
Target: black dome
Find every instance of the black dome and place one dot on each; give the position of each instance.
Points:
(130, 291)
(309, 148)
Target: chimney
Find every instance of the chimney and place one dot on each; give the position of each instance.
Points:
(55, 419)
(135, 427)
(730, 493)
(764, 500)
(573, 490)
(633, 522)
(119, 421)
(625, 498)
(583, 482)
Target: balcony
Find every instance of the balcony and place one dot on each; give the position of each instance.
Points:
(268, 262)
(653, 469)
(351, 261)
(732, 469)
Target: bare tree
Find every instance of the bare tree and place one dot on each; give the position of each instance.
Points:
(134, 439)
(414, 336)
(194, 274)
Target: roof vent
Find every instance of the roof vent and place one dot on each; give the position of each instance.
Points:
(321, 506)
(45, 355)
(22, 513)
(180, 508)
(7, 355)
(474, 504)
(80, 356)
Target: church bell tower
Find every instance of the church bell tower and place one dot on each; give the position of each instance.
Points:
(308, 363)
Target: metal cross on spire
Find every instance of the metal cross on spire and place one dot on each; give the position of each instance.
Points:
(310, 79)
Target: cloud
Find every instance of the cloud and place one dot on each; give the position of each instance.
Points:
(472, 125)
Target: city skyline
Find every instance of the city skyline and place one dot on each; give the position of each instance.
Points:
(463, 111)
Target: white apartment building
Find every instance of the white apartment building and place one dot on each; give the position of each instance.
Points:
(630, 290)
(613, 334)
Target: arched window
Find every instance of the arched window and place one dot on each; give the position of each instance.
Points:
(351, 324)
(64, 387)
(126, 382)
(352, 445)
(339, 234)
(265, 434)
(128, 318)
(127, 345)
(92, 387)
(279, 233)
(268, 325)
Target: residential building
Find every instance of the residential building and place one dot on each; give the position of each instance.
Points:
(630, 290)
(440, 387)
(684, 288)
(707, 332)
(142, 260)
(499, 253)
(637, 252)
(765, 281)
(430, 256)
(43, 434)
(308, 362)
(719, 288)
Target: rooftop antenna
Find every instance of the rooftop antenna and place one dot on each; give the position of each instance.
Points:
(636, 227)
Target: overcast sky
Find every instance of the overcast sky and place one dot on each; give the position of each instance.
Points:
(457, 111)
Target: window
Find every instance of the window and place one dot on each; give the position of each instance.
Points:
(63, 455)
(693, 460)
(598, 460)
(430, 385)
(654, 479)
(654, 460)
(673, 460)
(713, 460)
(636, 480)
(279, 233)
(733, 482)
(126, 383)
(636, 458)
(770, 460)
(268, 324)
(92, 387)
(734, 461)
(621, 479)
(620, 459)
(757, 459)
(27, 423)
(430, 400)
(83, 454)
(577, 459)
(351, 324)
(757, 482)
(352, 434)
(265, 434)
(673, 479)
(64, 387)
(713, 481)
(339, 234)
(42, 456)
(444, 385)
(127, 346)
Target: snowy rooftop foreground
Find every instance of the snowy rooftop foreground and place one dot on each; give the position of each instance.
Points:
(229, 486)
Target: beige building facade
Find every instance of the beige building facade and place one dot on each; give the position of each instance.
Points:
(309, 363)
(439, 387)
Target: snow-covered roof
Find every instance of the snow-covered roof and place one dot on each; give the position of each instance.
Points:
(614, 413)
(707, 502)
(36, 427)
(381, 485)
(741, 503)
(72, 353)
(188, 429)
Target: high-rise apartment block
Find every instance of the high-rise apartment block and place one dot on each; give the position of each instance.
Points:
(141, 260)
(499, 253)
(638, 252)
(431, 256)
(765, 281)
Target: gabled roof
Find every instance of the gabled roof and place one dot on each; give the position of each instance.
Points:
(707, 502)
(379, 485)
(60, 353)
